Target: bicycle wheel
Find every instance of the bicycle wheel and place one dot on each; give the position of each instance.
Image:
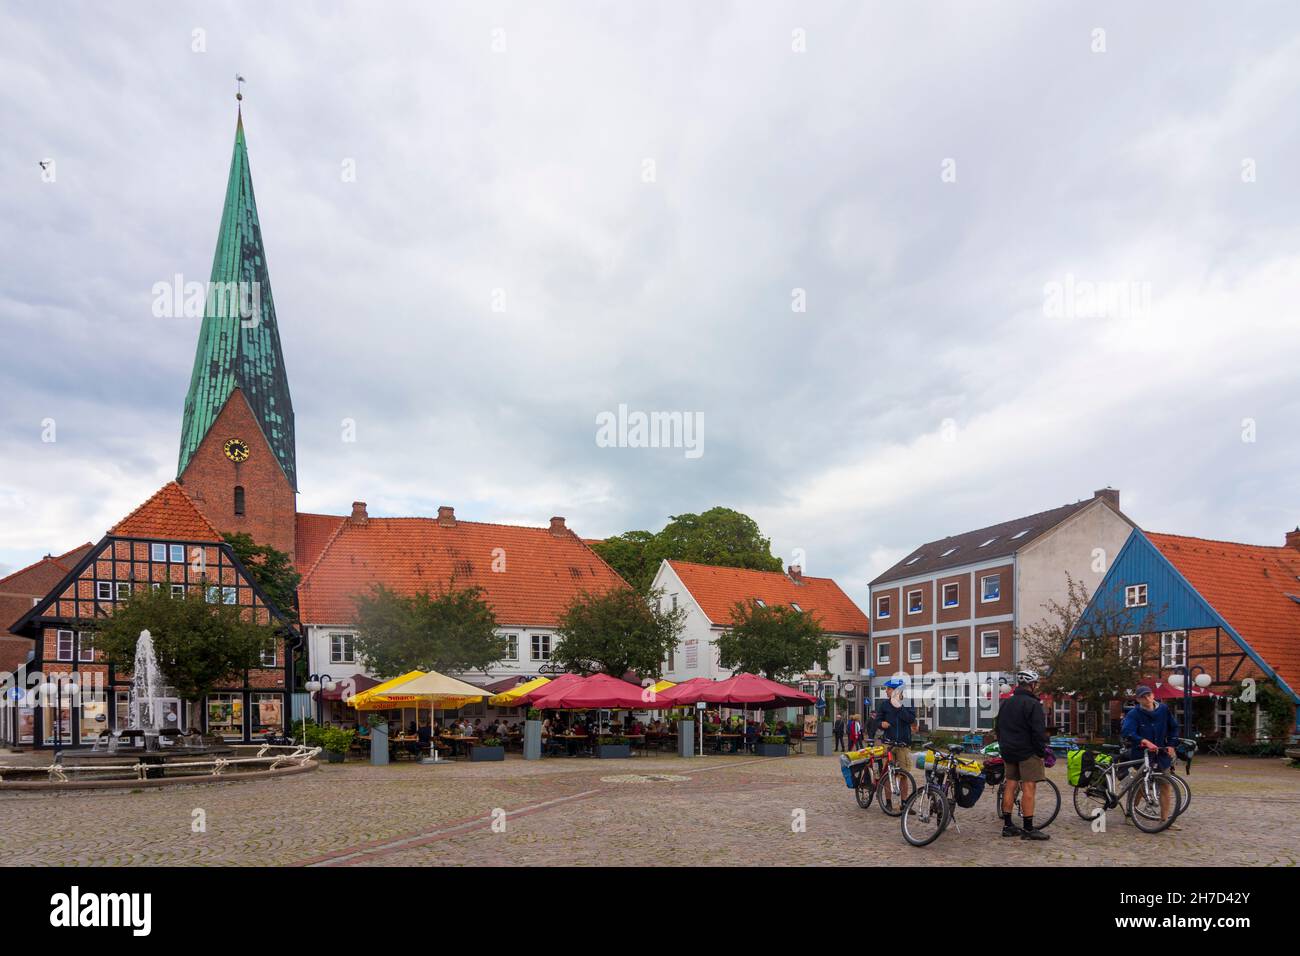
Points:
(1185, 792)
(1047, 797)
(864, 789)
(1091, 796)
(894, 790)
(1144, 803)
(925, 816)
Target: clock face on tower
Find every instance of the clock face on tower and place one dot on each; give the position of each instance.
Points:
(236, 449)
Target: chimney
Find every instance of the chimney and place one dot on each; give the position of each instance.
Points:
(1293, 538)
(1109, 495)
(796, 573)
(359, 515)
(557, 525)
(447, 516)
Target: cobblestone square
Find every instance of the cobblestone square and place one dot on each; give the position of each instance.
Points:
(652, 810)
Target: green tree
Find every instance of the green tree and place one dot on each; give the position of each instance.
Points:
(1081, 654)
(719, 536)
(199, 645)
(271, 569)
(619, 631)
(777, 642)
(452, 629)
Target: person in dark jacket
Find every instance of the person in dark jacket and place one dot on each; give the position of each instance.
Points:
(838, 730)
(894, 720)
(1152, 726)
(1022, 743)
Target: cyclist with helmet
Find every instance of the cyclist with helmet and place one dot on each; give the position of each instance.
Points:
(1022, 742)
(894, 720)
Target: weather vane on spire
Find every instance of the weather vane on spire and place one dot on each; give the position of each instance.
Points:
(239, 86)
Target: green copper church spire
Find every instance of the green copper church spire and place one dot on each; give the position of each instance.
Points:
(239, 341)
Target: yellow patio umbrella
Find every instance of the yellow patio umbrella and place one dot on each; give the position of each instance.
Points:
(442, 692)
(384, 696)
(507, 698)
(663, 685)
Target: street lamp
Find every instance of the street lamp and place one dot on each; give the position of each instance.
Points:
(317, 684)
(1182, 677)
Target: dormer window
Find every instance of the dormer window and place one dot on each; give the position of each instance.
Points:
(948, 552)
(991, 540)
(1020, 534)
(913, 560)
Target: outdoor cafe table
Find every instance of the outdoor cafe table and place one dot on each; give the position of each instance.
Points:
(572, 740)
(459, 739)
(719, 738)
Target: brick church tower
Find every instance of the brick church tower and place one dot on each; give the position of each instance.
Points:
(237, 459)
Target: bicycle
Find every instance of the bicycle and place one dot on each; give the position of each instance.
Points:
(882, 778)
(928, 811)
(1185, 750)
(1046, 794)
(1140, 795)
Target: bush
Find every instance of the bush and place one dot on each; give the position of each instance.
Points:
(772, 739)
(491, 742)
(612, 741)
(534, 713)
(336, 740)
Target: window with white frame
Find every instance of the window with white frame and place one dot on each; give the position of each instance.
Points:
(882, 653)
(990, 643)
(1135, 595)
(178, 590)
(796, 607)
(848, 657)
(1223, 716)
(229, 595)
(915, 602)
(158, 552)
(990, 587)
(104, 590)
(342, 649)
(1061, 716)
(951, 647)
(1173, 649)
(63, 646)
(541, 647)
(882, 606)
(914, 650)
(177, 553)
(951, 594)
(1130, 647)
(512, 647)
(85, 646)
(155, 586)
(862, 657)
(269, 658)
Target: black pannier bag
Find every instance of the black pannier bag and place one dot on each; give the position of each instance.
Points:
(969, 790)
(995, 771)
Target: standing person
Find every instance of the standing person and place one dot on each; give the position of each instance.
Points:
(838, 731)
(1152, 726)
(894, 720)
(853, 730)
(1022, 742)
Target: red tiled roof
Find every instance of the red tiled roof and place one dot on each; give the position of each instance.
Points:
(170, 515)
(35, 581)
(311, 534)
(717, 590)
(540, 572)
(13, 652)
(1255, 588)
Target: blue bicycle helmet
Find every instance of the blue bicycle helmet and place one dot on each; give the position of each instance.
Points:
(895, 682)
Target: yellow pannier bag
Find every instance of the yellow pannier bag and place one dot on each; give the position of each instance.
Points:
(965, 766)
(867, 753)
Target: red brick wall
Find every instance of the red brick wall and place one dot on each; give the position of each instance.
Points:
(1005, 660)
(211, 477)
(1005, 604)
(963, 662)
(962, 610)
(927, 651)
(885, 623)
(927, 604)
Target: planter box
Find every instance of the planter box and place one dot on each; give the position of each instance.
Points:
(331, 757)
(613, 751)
(532, 740)
(480, 752)
(771, 750)
(686, 738)
(825, 745)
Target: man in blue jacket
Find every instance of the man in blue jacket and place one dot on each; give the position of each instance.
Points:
(1152, 726)
(894, 721)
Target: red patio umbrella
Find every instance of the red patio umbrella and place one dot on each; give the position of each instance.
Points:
(530, 700)
(741, 690)
(599, 691)
(1166, 691)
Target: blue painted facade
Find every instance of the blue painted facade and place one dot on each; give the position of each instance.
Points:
(1172, 602)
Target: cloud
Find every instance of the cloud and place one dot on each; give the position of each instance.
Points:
(520, 177)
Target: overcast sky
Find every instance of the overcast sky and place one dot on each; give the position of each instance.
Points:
(647, 185)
